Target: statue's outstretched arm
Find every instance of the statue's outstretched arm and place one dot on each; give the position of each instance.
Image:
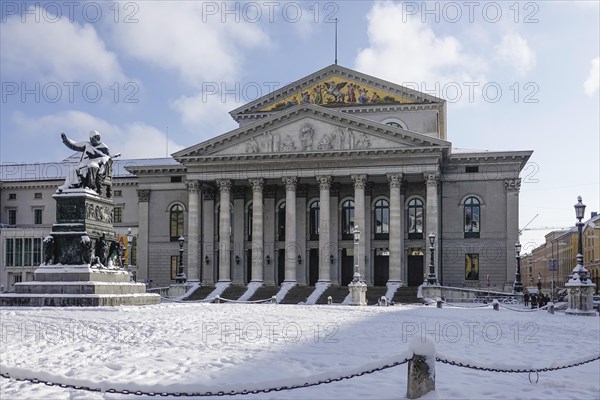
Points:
(70, 143)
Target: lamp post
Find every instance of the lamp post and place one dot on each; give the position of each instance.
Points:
(356, 233)
(431, 278)
(130, 245)
(579, 212)
(539, 284)
(518, 286)
(181, 278)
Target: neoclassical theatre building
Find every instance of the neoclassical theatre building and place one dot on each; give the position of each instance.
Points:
(277, 199)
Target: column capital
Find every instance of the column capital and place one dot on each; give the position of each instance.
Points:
(193, 186)
(431, 178)
(324, 181)
(512, 185)
(395, 180)
(257, 184)
(224, 185)
(359, 181)
(143, 195)
(290, 182)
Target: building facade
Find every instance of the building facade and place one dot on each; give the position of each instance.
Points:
(277, 199)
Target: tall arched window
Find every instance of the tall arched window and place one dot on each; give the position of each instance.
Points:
(176, 222)
(281, 222)
(249, 222)
(348, 220)
(472, 217)
(314, 215)
(382, 219)
(415, 219)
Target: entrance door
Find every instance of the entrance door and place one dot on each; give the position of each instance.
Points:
(313, 267)
(248, 265)
(347, 267)
(280, 266)
(381, 270)
(415, 270)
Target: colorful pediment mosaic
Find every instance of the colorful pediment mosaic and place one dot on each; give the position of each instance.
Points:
(338, 91)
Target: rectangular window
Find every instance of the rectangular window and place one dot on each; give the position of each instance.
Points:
(175, 179)
(118, 193)
(18, 252)
(472, 169)
(12, 196)
(472, 267)
(37, 251)
(9, 252)
(118, 215)
(174, 266)
(27, 252)
(12, 217)
(37, 216)
(37, 195)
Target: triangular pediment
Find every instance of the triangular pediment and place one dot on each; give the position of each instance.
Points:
(307, 130)
(336, 87)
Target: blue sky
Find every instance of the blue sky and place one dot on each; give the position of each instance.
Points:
(157, 76)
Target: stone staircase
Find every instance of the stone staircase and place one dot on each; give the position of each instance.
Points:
(234, 292)
(374, 293)
(265, 292)
(337, 293)
(406, 295)
(297, 294)
(201, 293)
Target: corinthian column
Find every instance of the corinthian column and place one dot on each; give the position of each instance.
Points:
(432, 221)
(290, 229)
(257, 229)
(193, 255)
(324, 232)
(396, 245)
(359, 219)
(224, 230)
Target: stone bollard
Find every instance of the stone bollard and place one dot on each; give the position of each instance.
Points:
(421, 368)
(382, 301)
(218, 299)
(551, 307)
(439, 302)
(274, 300)
(496, 305)
(329, 300)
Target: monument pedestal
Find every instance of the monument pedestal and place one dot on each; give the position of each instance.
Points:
(82, 260)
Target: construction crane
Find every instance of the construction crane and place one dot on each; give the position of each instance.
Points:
(527, 224)
(547, 228)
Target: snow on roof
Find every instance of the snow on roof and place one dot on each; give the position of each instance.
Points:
(12, 172)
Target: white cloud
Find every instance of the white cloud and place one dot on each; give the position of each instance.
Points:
(515, 51)
(406, 50)
(133, 140)
(55, 51)
(187, 39)
(592, 83)
(209, 111)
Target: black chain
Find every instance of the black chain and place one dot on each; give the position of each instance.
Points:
(205, 394)
(464, 365)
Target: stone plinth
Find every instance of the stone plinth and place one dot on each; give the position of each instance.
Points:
(80, 285)
(581, 291)
(358, 291)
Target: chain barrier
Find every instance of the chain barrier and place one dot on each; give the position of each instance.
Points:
(218, 298)
(208, 393)
(444, 360)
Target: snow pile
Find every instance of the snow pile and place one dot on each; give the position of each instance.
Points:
(285, 288)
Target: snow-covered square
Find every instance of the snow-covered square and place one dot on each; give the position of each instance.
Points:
(197, 348)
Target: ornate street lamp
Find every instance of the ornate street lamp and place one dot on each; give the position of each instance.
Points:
(580, 268)
(356, 233)
(518, 286)
(181, 278)
(431, 278)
